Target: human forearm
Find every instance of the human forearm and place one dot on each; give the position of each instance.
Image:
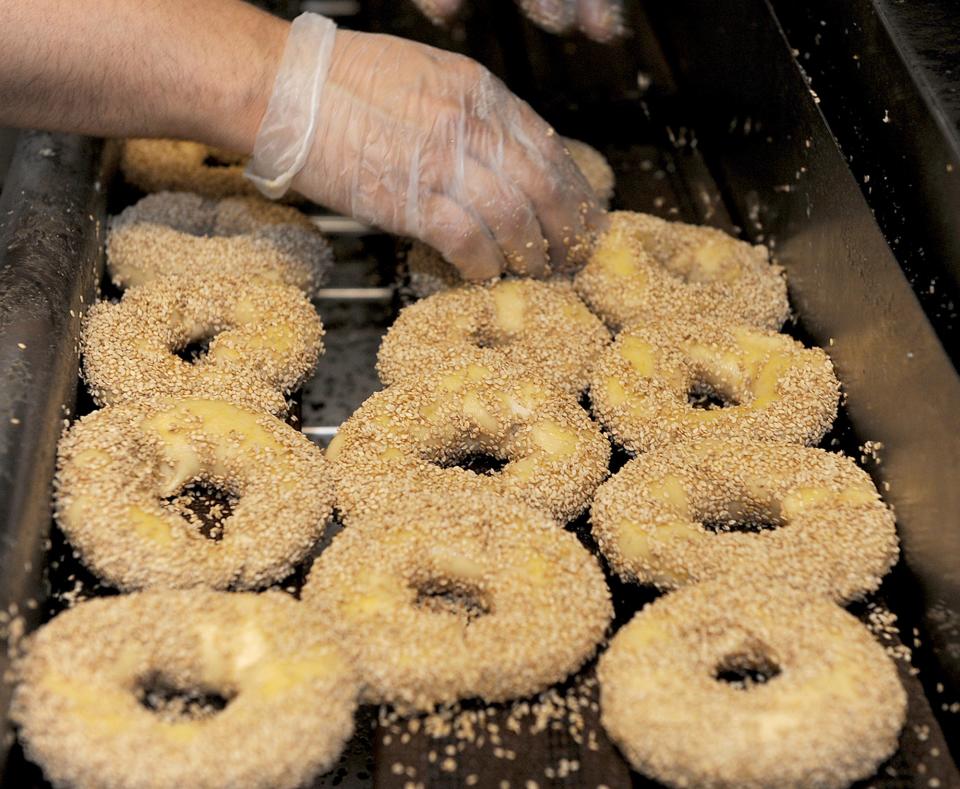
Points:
(415, 140)
(172, 68)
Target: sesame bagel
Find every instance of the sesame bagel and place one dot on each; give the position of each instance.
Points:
(158, 165)
(418, 434)
(644, 267)
(772, 388)
(542, 328)
(440, 597)
(264, 339)
(825, 709)
(97, 701)
(182, 233)
(428, 272)
(121, 470)
(595, 168)
(675, 516)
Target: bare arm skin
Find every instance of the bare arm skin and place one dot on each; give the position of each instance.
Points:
(119, 68)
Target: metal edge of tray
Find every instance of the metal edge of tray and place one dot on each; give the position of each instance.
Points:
(884, 73)
(786, 176)
(52, 222)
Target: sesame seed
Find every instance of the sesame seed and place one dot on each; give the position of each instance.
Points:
(156, 165)
(409, 437)
(80, 701)
(833, 692)
(170, 233)
(827, 528)
(773, 388)
(116, 467)
(544, 330)
(506, 605)
(264, 339)
(680, 270)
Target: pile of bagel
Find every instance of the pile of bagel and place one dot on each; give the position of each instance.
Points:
(459, 572)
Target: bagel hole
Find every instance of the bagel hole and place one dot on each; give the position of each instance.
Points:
(194, 350)
(222, 159)
(747, 670)
(747, 524)
(706, 397)
(478, 462)
(172, 703)
(444, 595)
(204, 505)
(484, 338)
(483, 342)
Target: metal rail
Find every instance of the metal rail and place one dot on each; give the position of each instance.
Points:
(52, 213)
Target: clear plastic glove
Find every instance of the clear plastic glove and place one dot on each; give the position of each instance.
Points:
(423, 143)
(601, 20)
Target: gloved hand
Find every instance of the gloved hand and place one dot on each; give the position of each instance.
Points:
(423, 143)
(601, 20)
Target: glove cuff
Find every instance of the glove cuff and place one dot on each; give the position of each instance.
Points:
(288, 126)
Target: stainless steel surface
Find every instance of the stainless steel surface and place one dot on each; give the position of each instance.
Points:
(354, 294)
(888, 78)
(52, 213)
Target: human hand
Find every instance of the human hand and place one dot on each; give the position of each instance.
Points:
(424, 143)
(600, 20)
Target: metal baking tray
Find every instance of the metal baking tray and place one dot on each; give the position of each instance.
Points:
(694, 134)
